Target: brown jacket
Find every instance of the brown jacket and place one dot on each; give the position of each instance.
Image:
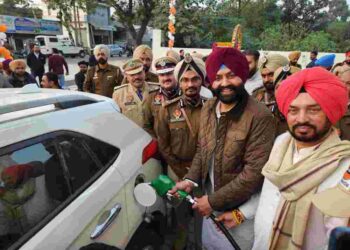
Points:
(239, 145)
(177, 143)
(150, 77)
(130, 103)
(153, 104)
(344, 126)
(271, 104)
(103, 81)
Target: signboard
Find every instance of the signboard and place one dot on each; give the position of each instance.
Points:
(100, 18)
(25, 25)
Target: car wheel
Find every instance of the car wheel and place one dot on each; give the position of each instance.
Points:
(82, 54)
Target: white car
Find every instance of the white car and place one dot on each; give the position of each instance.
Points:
(69, 162)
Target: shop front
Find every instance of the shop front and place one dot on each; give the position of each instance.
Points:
(21, 31)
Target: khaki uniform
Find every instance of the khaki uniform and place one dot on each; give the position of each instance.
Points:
(150, 77)
(153, 104)
(344, 126)
(130, 103)
(103, 81)
(177, 137)
(270, 102)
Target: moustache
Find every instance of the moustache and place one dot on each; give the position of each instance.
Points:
(191, 88)
(232, 88)
(306, 124)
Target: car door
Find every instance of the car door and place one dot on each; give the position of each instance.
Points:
(55, 187)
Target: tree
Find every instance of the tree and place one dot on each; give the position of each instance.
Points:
(310, 15)
(338, 10)
(132, 12)
(340, 33)
(67, 9)
(20, 8)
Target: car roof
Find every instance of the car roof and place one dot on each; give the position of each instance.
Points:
(19, 99)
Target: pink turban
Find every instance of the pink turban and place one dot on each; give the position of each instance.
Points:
(231, 58)
(324, 87)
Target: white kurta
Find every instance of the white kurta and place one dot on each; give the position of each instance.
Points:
(254, 82)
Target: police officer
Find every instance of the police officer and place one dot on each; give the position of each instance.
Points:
(177, 129)
(281, 74)
(145, 54)
(102, 78)
(168, 88)
(132, 97)
(269, 64)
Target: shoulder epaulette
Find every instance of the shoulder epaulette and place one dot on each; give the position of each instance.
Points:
(154, 83)
(167, 103)
(120, 87)
(152, 90)
(153, 86)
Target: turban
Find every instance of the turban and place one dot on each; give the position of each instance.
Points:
(198, 55)
(103, 48)
(273, 61)
(294, 55)
(173, 54)
(190, 63)
(15, 63)
(325, 61)
(143, 50)
(324, 87)
(283, 72)
(231, 58)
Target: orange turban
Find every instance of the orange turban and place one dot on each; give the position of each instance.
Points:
(324, 87)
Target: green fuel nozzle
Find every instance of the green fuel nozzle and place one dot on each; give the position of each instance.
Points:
(163, 184)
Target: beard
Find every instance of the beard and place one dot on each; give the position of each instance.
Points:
(191, 92)
(237, 93)
(317, 135)
(102, 61)
(269, 86)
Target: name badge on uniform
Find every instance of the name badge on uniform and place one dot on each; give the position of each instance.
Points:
(177, 116)
(108, 77)
(129, 100)
(157, 100)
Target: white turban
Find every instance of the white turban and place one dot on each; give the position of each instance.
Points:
(103, 48)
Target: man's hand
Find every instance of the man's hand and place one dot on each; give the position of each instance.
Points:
(202, 206)
(227, 219)
(186, 186)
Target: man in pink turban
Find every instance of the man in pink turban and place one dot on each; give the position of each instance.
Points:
(304, 195)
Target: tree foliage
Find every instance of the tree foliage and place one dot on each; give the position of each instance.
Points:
(20, 8)
(134, 12)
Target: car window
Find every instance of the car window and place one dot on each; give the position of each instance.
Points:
(53, 40)
(24, 194)
(35, 179)
(41, 41)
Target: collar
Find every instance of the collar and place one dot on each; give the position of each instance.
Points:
(170, 94)
(143, 88)
(184, 102)
(108, 68)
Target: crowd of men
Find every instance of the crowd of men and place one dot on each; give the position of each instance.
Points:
(263, 143)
